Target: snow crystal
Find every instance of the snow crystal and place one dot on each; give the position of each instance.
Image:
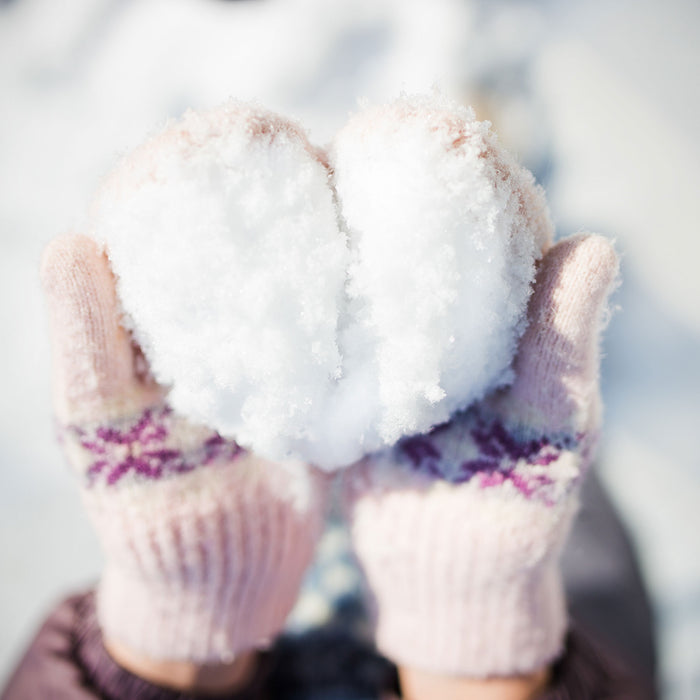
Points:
(320, 324)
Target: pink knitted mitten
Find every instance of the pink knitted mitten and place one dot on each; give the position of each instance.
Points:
(459, 531)
(205, 544)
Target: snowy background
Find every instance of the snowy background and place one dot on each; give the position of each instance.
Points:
(600, 99)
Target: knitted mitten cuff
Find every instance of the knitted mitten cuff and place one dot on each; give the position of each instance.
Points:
(207, 564)
(463, 577)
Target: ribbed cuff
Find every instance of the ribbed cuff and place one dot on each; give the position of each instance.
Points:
(463, 580)
(503, 630)
(204, 566)
(113, 681)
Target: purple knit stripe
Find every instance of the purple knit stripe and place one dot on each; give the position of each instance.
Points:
(501, 456)
(140, 449)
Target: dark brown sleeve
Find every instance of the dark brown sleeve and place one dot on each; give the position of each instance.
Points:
(67, 661)
(587, 672)
(49, 669)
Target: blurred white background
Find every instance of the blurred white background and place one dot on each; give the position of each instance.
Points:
(600, 99)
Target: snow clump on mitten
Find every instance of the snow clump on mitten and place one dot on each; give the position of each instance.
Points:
(445, 228)
(223, 234)
(320, 325)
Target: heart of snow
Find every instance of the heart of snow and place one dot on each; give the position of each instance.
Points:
(322, 307)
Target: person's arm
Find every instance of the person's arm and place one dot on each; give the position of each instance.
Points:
(67, 657)
(417, 684)
(187, 676)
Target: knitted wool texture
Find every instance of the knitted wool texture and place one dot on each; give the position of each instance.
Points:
(459, 531)
(205, 544)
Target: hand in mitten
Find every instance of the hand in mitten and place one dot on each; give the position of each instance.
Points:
(205, 544)
(459, 531)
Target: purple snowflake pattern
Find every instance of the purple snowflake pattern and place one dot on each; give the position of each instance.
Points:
(141, 449)
(500, 455)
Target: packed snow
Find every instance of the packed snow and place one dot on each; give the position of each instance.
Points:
(444, 228)
(319, 324)
(222, 231)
